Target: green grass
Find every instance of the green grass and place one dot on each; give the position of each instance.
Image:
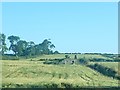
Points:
(59, 56)
(24, 73)
(113, 65)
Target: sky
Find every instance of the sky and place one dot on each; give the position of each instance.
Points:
(85, 27)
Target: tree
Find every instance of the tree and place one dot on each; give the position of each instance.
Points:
(3, 47)
(13, 40)
(39, 49)
(30, 49)
(47, 46)
(31, 44)
(21, 47)
(13, 48)
(52, 46)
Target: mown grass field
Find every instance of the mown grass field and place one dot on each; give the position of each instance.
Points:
(26, 73)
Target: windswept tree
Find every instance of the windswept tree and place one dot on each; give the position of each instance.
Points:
(3, 47)
(13, 40)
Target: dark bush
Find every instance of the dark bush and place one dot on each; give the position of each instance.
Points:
(56, 52)
(84, 61)
(67, 56)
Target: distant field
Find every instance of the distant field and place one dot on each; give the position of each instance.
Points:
(59, 56)
(24, 73)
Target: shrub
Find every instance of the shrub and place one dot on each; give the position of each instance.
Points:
(84, 61)
(67, 56)
(56, 52)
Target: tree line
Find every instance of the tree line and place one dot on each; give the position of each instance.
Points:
(24, 48)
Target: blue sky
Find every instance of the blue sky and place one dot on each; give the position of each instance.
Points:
(72, 27)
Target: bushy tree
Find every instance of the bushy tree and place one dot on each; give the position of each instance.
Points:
(21, 47)
(46, 47)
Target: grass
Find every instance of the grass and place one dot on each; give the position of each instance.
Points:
(113, 65)
(59, 56)
(25, 73)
